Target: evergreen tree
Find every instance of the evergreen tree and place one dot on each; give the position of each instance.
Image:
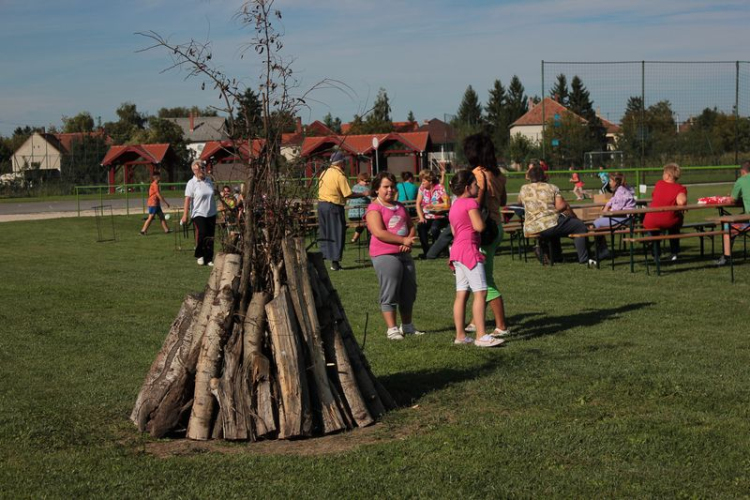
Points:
(580, 103)
(379, 119)
(497, 116)
(518, 104)
(470, 111)
(559, 91)
(248, 118)
(410, 117)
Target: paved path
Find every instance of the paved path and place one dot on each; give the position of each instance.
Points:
(58, 209)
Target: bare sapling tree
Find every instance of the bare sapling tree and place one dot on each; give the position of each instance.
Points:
(266, 351)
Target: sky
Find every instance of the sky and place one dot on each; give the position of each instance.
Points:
(63, 57)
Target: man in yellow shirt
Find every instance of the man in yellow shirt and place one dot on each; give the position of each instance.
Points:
(333, 191)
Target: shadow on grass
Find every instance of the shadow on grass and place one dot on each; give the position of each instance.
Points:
(407, 387)
(551, 325)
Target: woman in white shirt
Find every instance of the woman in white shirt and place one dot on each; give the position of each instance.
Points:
(200, 202)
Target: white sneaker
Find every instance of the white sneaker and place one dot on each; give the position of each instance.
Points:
(200, 261)
(488, 341)
(394, 333)
(500, 333)
(409, 329)
(470, 328)
(211, 264)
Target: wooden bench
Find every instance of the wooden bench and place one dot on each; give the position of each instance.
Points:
(700, 227)
(645, 240)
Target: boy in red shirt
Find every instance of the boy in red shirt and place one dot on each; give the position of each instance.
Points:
(155, 200)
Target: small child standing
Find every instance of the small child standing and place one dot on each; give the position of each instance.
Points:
(466, 259)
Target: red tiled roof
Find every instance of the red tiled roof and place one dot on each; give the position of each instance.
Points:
(66, 140)
(229, 148)
(318, 129)
(362, 144)
(405, 126)
(551, 108)
(153, 153)
(612, 128)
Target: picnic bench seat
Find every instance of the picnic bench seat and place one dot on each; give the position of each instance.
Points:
(645, 240)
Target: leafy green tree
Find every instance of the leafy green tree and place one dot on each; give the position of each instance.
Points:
(518, 103)
(559, 91)
(130, 122)
(496, 116)
(82, 122)
(82, 163)
(183, 112)
(521, 149)
(6, 154)
(566, 142)
(410, 117)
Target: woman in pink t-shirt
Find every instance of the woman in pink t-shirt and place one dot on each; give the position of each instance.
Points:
(390, 250)
(467, 260)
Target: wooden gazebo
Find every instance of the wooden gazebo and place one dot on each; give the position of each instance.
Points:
(152, 156)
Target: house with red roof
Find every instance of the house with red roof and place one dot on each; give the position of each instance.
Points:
(547, 113)
(395, 152)
(45, 151)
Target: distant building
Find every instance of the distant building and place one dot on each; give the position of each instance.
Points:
(443, 139)
(531, 124)
(198, 130)
(44, 152)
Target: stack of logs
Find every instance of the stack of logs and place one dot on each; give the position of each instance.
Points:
(287, 367)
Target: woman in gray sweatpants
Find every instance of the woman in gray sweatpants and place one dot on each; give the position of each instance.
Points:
(393, 235)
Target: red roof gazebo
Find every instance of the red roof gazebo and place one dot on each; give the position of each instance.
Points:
(153, 156)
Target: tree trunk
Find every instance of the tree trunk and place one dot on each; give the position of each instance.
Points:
(167, 365)
(199, 426)
(256, 369)
(295, 419)
(228, 390)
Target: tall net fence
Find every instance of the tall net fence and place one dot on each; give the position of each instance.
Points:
(694, 113)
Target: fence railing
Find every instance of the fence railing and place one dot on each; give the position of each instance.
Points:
(135, 196)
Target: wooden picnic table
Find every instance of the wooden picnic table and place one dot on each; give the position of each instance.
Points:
(630, 216)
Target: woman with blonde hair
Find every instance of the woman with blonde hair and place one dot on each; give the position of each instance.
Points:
(432, 205)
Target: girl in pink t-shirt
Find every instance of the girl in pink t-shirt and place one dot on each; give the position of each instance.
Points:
(390, 250)
(466, 259)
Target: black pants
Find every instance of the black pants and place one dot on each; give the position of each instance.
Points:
(441, 244)
(205, 228)
(429, 230)
(565, 226)
(674, 245)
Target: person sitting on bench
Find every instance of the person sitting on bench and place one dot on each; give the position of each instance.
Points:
(741, 190)
(544, 206)
(667, 193)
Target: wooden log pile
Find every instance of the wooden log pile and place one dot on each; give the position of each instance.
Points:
(287, 367)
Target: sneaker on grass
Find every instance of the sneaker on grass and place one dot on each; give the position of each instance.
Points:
(200, 261)
(409, 329)
(488, 341)
(394, 333)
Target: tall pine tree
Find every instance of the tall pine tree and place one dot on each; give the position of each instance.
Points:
(559, 91)
(580, 103)
(518, 104)
(497, 116)
(470, 111)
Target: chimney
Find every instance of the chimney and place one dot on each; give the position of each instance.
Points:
(298, 128)
(531, 103)
(598, 112)
(192, 122)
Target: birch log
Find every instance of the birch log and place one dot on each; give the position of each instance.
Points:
(199, 426)
(295, 419)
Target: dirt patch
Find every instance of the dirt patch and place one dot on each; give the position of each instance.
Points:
(325, 445)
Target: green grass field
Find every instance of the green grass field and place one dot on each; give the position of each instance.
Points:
(616, 384)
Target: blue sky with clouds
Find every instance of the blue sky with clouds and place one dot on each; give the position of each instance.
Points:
(66, 56)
